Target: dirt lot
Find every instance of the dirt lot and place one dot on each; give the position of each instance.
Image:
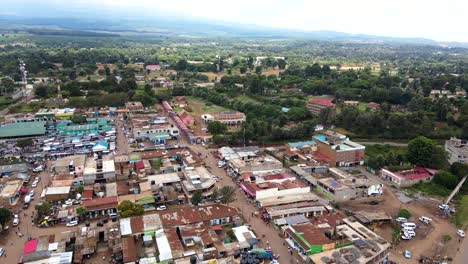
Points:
(429, 240)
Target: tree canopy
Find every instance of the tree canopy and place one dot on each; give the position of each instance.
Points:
(424, 152)
(128, 208)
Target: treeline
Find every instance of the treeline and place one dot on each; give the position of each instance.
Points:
(71, 33)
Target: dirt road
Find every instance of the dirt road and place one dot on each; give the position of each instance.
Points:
(247, 208)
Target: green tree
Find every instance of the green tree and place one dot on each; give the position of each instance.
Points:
(459, 169)
(215, 194)
(282, 64)
(258, 70)
(81, 211)
(24, 143)
(80, 189)
(326, 116)
(181, 65)
(216, 127)
(446, 179)
(227, 194)
(128, 208)
(44, 209)
(424, 152)
(404, 213)
(5, 216)
(197, 197)
(78, 119)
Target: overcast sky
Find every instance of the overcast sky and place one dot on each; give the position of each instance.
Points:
(444, 20)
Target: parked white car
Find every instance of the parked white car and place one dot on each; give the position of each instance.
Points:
(72, 223)
(460, 233)
(34, 184)
(406, 237)
(401, 220)
(161, 208)
(16, 221)
(425, 219)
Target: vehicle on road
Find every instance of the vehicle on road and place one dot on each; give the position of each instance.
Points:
(38, 168)
(407, 254)
(425, 219)
(161, 208)
(69, 202)
(16, 221)
(460, 233)
(2, 251)
(412, 225)
(34, 184)
(31, 193)
(72, 223)
(401, 220)
(410, 233)
(221, 164)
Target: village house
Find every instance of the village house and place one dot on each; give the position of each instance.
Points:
(457, 150)
(315, 106)
(409, 177)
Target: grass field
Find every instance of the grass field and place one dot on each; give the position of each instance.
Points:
(374, 150)
(212, 76)
(429, 188)
(461, 217)
(198, 103)
(246, 99)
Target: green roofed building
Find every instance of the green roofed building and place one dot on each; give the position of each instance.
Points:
(92, 127)
(23, 129)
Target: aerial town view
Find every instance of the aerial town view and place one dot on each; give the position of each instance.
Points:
(168, 132)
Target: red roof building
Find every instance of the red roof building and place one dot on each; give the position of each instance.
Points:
(409, 177)
(100, 204)
(315, 106)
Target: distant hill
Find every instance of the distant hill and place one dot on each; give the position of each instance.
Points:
(160, 25)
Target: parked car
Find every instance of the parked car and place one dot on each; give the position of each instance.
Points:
(425, 219)
(410, 233)
(113, 215)
(407, 254)
(161, 208)
(221, 164)
(16, 221)
(460, 233)
(69, 202)
(72, 223)
(34, 184)
(444, 207)
(401, 220)
(406, 237)
(2, 251)
(31, 193)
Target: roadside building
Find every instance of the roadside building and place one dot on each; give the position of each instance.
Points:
(410, 177)
(356, 244)
(99, 170)
(351, 103)
(304, 147)
(457, 150)
(308, 239)
(71, 165)
(255, 165)
(22, 129)
(268, 189)
(353, 187)
(339, 149)
(146, 199)
(315, 106)
(213, 215)
(57, 193)
(10, 192)
(134, 106)
(153, 67)
(159, 181)
(8, 170)
(373, 106)
(186, 118)
(229, 118)
(100, 206)
(198, 179)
